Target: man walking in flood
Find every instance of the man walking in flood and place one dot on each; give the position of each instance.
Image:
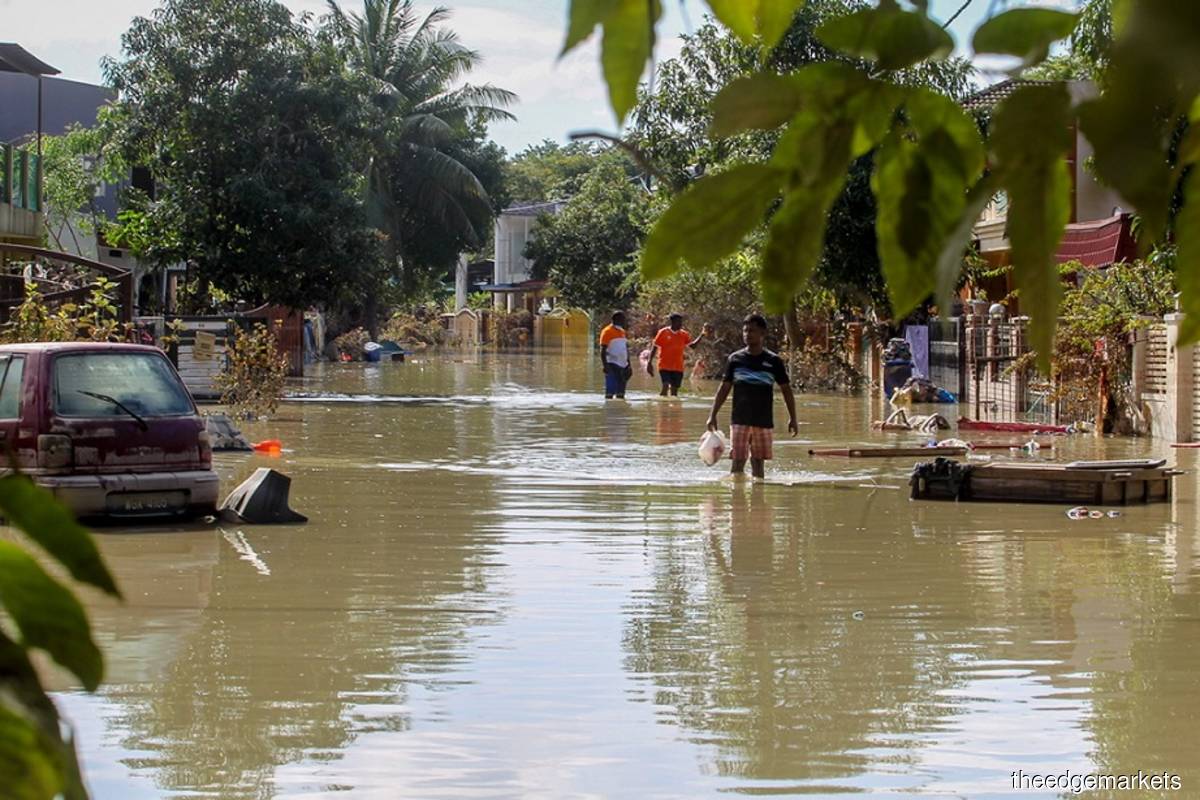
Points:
(752, 374)
(614, 357)
(670, 343)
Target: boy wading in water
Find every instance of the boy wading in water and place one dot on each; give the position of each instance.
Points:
(669, 343)
(614, 356)
(752, 374)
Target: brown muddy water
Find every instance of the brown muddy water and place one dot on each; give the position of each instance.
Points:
(509, 588)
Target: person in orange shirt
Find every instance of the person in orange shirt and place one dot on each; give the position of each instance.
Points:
(669, 343)
(614, 357)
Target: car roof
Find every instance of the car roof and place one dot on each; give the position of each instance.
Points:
(77, 347)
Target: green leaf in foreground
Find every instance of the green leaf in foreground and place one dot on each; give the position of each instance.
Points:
(627, 46)
(769, 19)
(1187, 263)
(583, 18)
(1038, 181)
(36, 760)
(921, 183)
(1026, 33)
(48, 615)
(757, 102)
(48, 522)
(709, 220)
(28, 770)
(887, 35)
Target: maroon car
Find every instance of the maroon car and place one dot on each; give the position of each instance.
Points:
(109, 428)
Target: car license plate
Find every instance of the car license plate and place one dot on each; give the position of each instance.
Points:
(146, 502)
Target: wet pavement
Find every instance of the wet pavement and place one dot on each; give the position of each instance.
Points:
(510, 588)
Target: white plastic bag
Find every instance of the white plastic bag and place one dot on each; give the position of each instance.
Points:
(712, 447)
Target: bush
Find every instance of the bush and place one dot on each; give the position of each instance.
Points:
(95, 320)
(255, 372)
(421, 329)
(513, 328)
(351, 343)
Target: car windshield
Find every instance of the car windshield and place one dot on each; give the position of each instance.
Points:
(99, 384)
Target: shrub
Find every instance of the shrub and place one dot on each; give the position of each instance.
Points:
(421, 329)
(351, 343)
(513, 328)
(255, 371)
(94, 320)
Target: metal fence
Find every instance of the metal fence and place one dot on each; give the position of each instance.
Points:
(947, 356)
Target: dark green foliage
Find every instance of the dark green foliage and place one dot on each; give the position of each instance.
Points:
(588, 250)
(247, 124)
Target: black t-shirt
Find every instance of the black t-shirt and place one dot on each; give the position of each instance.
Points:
(754, 378)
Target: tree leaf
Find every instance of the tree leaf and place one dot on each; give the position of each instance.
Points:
(1187, 263)
(28, 769)
(708, 221)
(48, 522)
(759, 102)
(921, 181)
(48, 615)
(794, 243)
(36, 761)
(950, 260)
(1035, 173)
(887, 35)
(583, 18)
(1026, 33)
(627, 46)
(769, 19)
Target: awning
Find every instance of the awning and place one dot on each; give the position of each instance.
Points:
(14, 58)
(1099, 243)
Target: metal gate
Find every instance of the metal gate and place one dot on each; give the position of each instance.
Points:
(947, 356)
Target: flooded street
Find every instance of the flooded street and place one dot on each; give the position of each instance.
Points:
(509, 588)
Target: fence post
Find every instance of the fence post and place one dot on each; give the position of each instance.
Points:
(1180, 388)
(1019, 378)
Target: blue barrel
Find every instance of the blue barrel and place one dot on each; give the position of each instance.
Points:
(895, 375)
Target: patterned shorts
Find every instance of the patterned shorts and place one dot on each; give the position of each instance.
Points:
(749, 441)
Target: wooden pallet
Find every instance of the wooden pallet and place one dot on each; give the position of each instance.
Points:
(1066, 484)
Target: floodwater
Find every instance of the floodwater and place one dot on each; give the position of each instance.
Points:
(510, 588)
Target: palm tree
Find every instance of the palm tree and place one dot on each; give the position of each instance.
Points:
(413, 69)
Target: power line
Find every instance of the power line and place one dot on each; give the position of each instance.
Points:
(956, 14)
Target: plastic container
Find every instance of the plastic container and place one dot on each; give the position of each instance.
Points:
(895, 375)
(712, 447)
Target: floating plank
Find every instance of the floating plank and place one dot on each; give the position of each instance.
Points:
(889, 452)
(966, 424)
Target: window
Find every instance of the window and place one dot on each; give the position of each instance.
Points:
(12, 369)
(142, 382)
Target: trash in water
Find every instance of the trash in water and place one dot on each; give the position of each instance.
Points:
(271, 447)
(1083, 512)
(859, 615)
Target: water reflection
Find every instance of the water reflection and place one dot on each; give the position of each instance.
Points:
(512, 588)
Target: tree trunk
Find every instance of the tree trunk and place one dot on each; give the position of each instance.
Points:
(791, 325)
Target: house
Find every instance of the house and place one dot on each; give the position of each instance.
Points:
(1099, 232)
(21, 218)
(37, 104)
(512, 286)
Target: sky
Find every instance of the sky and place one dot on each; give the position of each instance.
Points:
(518, 39)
